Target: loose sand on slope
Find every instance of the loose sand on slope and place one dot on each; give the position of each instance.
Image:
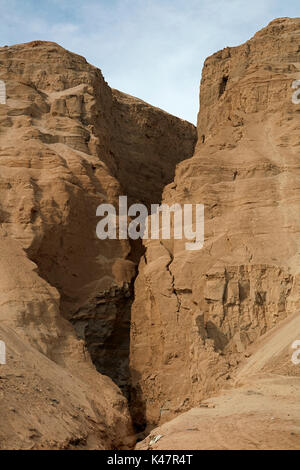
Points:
(262, 412)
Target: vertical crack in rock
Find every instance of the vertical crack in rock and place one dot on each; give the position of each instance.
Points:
(168, 268)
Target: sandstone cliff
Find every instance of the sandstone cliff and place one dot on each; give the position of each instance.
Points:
(196, 313)
(219, 320)
(67, 144)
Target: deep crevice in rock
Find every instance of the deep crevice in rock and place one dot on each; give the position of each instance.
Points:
(106, 331)
(223, 85)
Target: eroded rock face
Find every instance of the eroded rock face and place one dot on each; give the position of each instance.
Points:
(51, 396)
(195, 313)
(149, 144)
(64, 139)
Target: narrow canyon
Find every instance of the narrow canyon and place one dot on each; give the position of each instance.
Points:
(112, 342)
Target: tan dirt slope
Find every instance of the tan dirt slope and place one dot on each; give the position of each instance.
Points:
(261, 412)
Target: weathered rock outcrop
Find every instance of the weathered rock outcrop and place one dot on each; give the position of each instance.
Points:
(67, 144)
(195, 313)
(149, 144)
(51, 396)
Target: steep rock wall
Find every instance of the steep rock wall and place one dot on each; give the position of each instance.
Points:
(195, 313)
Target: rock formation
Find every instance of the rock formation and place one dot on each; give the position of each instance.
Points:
(67, 144)
(197, 312)
(194, 324)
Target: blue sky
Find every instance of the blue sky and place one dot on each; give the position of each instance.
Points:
(152, 49)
